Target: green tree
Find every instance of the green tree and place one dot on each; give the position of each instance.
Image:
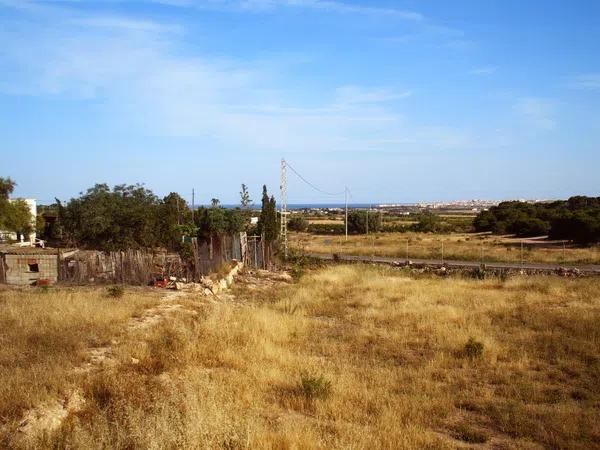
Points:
(298, 223)
(14, 215)
(174, 221)
(267, 221)
(245, 199)
(125, 217)
(7, 186)
(357, 222)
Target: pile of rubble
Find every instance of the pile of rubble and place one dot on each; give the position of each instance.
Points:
(207, 285)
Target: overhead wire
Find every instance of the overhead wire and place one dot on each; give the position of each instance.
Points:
(333, 194)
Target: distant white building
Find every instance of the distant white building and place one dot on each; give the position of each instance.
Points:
(23, 240)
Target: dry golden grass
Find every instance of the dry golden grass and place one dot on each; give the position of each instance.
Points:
(459, 246)
(44, 334)
(358, 357)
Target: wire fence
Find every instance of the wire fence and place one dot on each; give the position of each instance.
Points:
(463, 248)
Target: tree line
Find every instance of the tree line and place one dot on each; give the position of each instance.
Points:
(576, 219)
(132, 216)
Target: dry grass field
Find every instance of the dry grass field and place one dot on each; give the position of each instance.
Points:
(347, 357)
(459, 246)
(44, 334)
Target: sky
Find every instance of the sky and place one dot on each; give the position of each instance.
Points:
(400, 101)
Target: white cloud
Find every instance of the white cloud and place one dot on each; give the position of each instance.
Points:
(144, 80)
(125, 23)
(538, 112)
(485, 70)
(349, 95)
(590, 81)
(321, 5)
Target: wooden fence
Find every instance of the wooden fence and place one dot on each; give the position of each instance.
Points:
(2, 269)
(137, 267)
(140, 267)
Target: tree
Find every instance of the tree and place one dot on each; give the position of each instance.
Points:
(7, 186)
(263, 211)
(245, 199)
(15, 215)
(125, 217)
(215, 202)
(271, 230)
(174, 221)
(267, 222)
(576, 219)
(298, 223)
(429, 223)
(357, 222)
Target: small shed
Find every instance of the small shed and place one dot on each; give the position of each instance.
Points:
(28, 265)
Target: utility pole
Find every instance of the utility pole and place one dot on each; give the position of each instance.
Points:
(283, 192)
(368, 220)
(193, 205)
(346, 201)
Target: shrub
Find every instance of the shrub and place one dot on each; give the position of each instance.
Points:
(357, 222)
(478, 273)
(314, 387)
(115, 291)
(297, 271)
(327, 228)
(503, 275)
(297, 224)
(470, 435)
(473, 349)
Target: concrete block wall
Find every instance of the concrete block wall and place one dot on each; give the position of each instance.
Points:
(18, 268)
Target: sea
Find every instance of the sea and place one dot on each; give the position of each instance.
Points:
(292, 206)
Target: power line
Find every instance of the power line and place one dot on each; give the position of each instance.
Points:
(312, 185)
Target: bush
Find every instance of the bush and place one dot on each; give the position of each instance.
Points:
(473, 349)
(503, 275)
(478, 273)
(327, 228)
(297, 271)
(115, 291)
(298, 224)
(314, 387)
(357, 222)
(470, 435)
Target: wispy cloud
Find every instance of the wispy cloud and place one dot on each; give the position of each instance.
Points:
(484, 70)
(590, 81)
(351, 95)
(125, 23)
(321, 5)
(537, 112)
(146, 79)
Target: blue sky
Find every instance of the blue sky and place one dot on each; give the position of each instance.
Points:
(399, 100)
